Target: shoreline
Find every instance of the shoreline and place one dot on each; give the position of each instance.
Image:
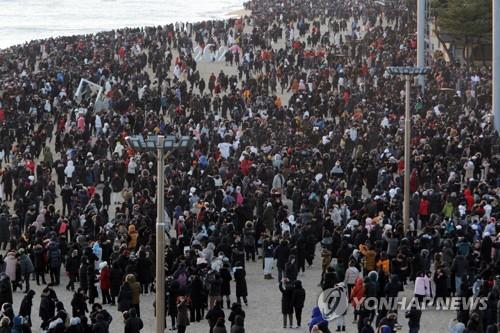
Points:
(238, 13)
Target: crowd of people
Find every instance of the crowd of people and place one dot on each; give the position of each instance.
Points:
(297, 153)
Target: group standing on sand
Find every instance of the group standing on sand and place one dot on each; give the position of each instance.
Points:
(297, 146)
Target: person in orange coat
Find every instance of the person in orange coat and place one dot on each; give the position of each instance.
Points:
(369, 258)
(278, 103)
(294, 86)
(384, 263)
(132, 237)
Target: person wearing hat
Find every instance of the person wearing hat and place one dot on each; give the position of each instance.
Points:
(68, 172)
(104, 282)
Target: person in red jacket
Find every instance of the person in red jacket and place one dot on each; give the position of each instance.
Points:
(423, 211)
(469, 198)
(104, 282)
(357, 294)
(414, 181)
(245, 165)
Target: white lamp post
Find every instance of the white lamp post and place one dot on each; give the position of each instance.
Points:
(407, 72)
(161, 144)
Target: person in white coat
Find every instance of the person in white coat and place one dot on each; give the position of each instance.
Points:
(469, 170)
(10, 268)
(68, 171)
(98, 125)
(119, 148)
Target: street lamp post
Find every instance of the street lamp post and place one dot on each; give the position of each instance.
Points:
(421, 21)
(496, 65)
(160, 144)
(160, 238)
(407, 72)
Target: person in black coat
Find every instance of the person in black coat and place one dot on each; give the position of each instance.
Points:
(236, 310)
(117, 184)
(281, 254)
(92, 279)
(291, 270)
(144, 271)
(329, 279)
(414, 318)
(173, 292)
(39, 263)
(26, 305)
(225, 289)
(287, 302)
(214, 314)
(98, 310)
(54, 256)
(3, 265)
(47, 307)
(106, 195)
(133, 324)
(125, 297)
(441, 281)
(197, 297)
(390, 291)
(238, 326)
(4, 231)
(72, 267)
(101, 325)
(7, 181)
(298, 299)
(78, 303)
(82, 274)
(5, 289)
(66, 194)
(241, 283)
(116, 280)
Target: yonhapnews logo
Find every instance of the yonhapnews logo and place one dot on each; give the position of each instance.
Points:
(333, 302)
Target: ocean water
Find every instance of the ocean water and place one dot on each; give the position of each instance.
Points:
(25, 20)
